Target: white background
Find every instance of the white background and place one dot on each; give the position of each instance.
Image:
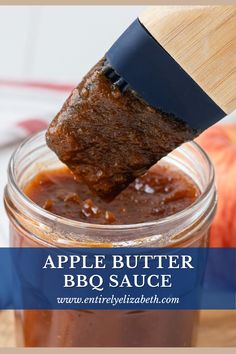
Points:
(58, 43)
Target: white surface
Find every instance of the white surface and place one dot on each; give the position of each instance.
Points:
(4, 158)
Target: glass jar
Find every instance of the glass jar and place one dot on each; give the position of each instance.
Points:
(32, 226)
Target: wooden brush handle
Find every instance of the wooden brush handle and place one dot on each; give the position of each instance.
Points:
(202, 39)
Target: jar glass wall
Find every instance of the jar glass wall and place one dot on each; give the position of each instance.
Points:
(32, 226)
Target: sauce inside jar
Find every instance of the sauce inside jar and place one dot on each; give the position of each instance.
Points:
(161, 192)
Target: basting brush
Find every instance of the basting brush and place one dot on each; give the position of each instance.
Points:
(170, 75)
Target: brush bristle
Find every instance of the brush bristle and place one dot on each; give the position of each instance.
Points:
(114, 77)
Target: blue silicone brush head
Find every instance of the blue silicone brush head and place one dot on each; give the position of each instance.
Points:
(137, 61)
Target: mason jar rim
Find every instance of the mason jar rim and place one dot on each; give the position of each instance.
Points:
(27, 202)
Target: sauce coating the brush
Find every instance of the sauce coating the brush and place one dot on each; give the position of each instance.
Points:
(159, 193)
(108, 138)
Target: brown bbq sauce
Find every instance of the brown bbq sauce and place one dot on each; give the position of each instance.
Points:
(161, 192)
